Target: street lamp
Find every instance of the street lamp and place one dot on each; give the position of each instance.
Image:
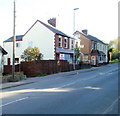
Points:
(74, 18)
(73, 32)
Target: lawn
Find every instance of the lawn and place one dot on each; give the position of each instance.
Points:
(114, 61)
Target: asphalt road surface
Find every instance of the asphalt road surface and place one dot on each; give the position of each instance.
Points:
(91, 92)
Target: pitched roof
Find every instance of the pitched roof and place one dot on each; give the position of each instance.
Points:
(54, 29)
(18, 38)
(95, 39)
(94, 52)
(3, 51)
(91, 37)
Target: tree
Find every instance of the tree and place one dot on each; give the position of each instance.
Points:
(32, 54)
(114, 48)
(77, 53)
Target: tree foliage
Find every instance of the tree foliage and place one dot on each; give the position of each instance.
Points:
(77, 53)
(114, 48)
(32, 54)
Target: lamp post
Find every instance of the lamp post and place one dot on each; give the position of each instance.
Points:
(73, 32)
(14, 39)
(74, 18)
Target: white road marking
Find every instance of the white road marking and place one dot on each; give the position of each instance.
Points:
(14, 101)
(74, 82)
(110, 107)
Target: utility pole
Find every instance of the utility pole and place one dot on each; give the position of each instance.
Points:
(14, 39)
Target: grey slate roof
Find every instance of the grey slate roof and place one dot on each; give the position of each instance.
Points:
(55, 30)
(3, 51)
(18, 38)
(101, 53)
(95, 39)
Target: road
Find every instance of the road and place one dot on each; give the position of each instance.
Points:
(91, 92)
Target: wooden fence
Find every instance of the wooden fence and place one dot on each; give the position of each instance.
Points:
(35, 68)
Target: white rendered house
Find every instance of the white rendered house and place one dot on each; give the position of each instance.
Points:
(2, 53)
(51, 42)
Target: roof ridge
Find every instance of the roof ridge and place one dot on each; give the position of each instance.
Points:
(54, 29)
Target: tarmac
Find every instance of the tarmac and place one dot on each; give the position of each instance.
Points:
(36, 79)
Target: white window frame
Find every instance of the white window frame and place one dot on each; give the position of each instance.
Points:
(85, 58)
(66, 42)
(92, 44)
(72, 44)
(60, 41)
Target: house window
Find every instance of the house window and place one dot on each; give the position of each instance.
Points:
(95, 46)
(105, 48)
(72, 44)
(17, 44)
(92, 45)
(66, 42)
(60, 41)
(85, 58)
(98, 46)
(16, 60)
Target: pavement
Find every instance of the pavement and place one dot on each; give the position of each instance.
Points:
(36, 79)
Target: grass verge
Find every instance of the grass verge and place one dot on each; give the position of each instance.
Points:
(114, 61)
(42, 75)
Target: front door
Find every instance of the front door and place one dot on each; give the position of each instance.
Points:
(93, 60)
(9, 61)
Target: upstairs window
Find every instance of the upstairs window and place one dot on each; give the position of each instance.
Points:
(72, 44)
(17, 44)
(60, 41)
(95, 46)
(92, 45)
(66, 42)
(85, 58)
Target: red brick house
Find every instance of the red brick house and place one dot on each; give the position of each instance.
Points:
(93, 50)
(85, 46)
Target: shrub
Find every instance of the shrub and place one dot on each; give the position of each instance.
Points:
(18, 76)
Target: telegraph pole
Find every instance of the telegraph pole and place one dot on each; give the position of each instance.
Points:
(14, 39)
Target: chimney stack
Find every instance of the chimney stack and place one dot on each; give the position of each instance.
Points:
(52, 21)
(85, 31)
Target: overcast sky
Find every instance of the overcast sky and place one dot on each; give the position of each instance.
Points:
(100, 17)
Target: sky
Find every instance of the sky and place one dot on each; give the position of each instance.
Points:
(99, 17)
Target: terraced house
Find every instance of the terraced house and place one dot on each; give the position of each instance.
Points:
(93, 50)
(52, 43)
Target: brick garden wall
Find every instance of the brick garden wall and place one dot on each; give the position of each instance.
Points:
(35, 68)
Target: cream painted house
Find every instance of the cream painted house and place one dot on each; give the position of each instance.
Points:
(99, 51)
(52, 43)
(93, 50)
